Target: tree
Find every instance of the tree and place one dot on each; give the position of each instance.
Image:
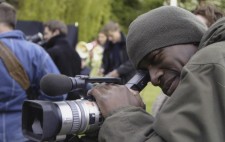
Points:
(90, 14)
(125, 11)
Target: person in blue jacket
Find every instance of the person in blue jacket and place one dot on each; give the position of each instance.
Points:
(36, 63)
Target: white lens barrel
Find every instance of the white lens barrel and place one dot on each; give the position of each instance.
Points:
(78, 116)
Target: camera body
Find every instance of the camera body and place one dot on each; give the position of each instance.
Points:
(53, 121)
(37, 38)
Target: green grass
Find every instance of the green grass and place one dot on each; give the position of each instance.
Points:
(149, 95)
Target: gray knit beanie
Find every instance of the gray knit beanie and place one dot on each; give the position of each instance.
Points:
(162, 27)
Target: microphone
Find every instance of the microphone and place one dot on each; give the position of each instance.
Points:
(55, 84)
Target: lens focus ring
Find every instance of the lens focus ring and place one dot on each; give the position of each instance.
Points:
(76, 116)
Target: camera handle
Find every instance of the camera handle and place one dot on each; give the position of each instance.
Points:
(80, 81)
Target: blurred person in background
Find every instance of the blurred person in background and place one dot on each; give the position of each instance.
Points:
(36, 63)
(91, 55)
(96, 52)
(83, 50)
(115, 61)
(208, 14)
(65, 57)
(102, 38)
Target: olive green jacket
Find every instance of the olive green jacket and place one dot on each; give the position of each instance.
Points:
(196, 110)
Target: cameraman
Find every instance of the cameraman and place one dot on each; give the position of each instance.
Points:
(188, 64)
(35, 63)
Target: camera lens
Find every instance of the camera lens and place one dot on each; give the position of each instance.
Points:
(41, 120)
(79, 116)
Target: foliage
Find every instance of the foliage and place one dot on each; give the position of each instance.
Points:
(90, 14)
(125, 11)
(149, 95)
(192, 4)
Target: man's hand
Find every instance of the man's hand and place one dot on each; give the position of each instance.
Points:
(113, 97)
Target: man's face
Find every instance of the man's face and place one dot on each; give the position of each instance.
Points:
(48, 34)
(165, 65)
(114, 36)
(102, 38)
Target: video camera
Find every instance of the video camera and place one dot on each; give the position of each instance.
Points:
(36, 38)
(53, 121)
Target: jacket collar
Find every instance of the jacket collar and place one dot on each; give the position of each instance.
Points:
(13, 34)
(215, 33)
(55, 40)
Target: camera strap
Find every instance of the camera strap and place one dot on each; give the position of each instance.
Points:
(14, 67)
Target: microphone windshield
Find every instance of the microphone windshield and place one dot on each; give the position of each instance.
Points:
(55, 84)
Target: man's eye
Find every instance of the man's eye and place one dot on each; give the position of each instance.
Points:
(154, 59)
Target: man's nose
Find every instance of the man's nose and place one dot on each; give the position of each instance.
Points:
(155, 75)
